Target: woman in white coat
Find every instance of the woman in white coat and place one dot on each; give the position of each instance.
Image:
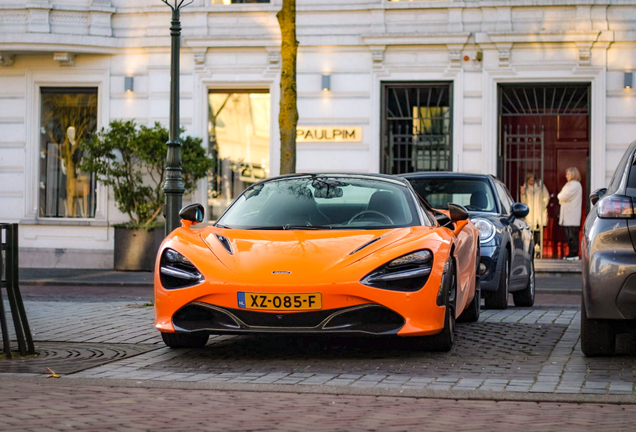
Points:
(570, 199)
(536, 196)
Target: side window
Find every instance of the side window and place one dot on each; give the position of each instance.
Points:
(631, 180)
(506, 202)
(618, 174)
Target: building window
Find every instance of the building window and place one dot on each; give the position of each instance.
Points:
(238, 127)
(68, 116)
(417, 127)
(227, 2)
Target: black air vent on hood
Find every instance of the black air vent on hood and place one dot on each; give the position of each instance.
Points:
(225, 242)
(369, 243)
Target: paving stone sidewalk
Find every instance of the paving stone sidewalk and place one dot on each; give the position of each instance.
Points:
(516, 350)
(59, 407)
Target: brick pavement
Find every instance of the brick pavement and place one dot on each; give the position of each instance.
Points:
(515, 351)
(56, 406)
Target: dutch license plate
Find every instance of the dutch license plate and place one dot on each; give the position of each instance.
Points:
(279, 302)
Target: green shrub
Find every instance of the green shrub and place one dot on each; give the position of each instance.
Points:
(132, 161)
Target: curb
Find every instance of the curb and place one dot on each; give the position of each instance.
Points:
(300, 389)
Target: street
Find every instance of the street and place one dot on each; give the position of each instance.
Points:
(520, 366)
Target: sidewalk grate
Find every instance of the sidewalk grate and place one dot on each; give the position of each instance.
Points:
(65, 358)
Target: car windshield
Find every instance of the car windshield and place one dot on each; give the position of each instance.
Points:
(474, 194)
(322, 202)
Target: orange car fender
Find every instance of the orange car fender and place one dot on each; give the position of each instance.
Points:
(465, 254)
(189, 243)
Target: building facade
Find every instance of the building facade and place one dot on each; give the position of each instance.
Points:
(501, 87)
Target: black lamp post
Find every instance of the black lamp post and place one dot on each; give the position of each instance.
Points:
(174, 184)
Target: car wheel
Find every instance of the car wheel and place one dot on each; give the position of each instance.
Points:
(597, 336)
(525, 297)
(443, 341)
(185, 340)
(499, 298)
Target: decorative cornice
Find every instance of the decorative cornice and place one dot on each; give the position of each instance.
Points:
(504, 50)
(543, 37)
(230, 42)
(64, 58)
(455, 55)
(6, 59)
(416, 39)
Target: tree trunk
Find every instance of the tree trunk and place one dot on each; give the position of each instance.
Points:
(288, 116)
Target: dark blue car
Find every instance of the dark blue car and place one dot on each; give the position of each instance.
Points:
(507, 244)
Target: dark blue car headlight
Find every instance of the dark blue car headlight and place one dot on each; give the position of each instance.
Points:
(486, 229)
(176, 271)
(406, 273)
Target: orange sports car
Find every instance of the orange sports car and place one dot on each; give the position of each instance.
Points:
(320, 254)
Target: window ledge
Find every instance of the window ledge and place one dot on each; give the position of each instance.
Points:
(65, 222)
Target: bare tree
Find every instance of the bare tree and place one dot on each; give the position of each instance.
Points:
(288, 116)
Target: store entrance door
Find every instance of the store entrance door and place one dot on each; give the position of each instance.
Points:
(545, 130)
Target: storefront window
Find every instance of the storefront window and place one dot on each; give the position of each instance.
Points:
(68, 116)
(238, 127)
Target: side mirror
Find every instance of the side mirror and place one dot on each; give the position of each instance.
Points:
(457, 213)
(597, 195)
(193, 214)
(520, 210)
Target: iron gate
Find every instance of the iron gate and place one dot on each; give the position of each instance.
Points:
(524, 153)
(417, 126)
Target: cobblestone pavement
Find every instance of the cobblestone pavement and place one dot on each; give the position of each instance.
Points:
(518, 350)
(33, 407)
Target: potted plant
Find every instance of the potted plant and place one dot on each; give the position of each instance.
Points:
(132, 160)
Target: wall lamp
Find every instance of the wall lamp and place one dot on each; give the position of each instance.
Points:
(627, 80)
(326, 83)
(129, 84)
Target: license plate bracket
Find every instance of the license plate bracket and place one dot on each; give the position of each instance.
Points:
(279, 301)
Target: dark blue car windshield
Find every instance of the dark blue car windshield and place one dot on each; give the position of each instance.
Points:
(474, 194)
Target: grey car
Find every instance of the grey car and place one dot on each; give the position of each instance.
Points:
(609, 261)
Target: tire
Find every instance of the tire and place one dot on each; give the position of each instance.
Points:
(185, 340)
(499, 298)
(472, 312)
(443, 341)
(525, 297)
(597, 336)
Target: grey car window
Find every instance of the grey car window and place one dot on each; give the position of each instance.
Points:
(615, 183)
(506, 201)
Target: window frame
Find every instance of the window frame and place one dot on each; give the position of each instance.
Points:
(53, 78)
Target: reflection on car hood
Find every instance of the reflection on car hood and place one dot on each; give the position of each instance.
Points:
(260, 253)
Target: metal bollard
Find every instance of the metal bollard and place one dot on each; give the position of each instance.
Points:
(10, 281)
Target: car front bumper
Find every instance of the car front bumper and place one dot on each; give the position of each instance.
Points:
(347, 308)
(490, 258)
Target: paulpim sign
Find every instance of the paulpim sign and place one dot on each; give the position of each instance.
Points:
(320, 134)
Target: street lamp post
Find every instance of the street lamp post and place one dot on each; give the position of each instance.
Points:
(174, 184)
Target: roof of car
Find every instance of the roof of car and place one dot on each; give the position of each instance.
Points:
(385, 177)
(429, 174)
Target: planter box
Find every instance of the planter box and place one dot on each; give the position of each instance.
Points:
(136, 249)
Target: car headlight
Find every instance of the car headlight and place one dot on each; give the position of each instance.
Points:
(486, 229)
(176, 271)
(406, 273)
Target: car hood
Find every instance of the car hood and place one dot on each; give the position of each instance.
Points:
(264, 255)
(493, 217)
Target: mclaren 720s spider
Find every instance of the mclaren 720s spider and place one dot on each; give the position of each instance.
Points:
(350, 254)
